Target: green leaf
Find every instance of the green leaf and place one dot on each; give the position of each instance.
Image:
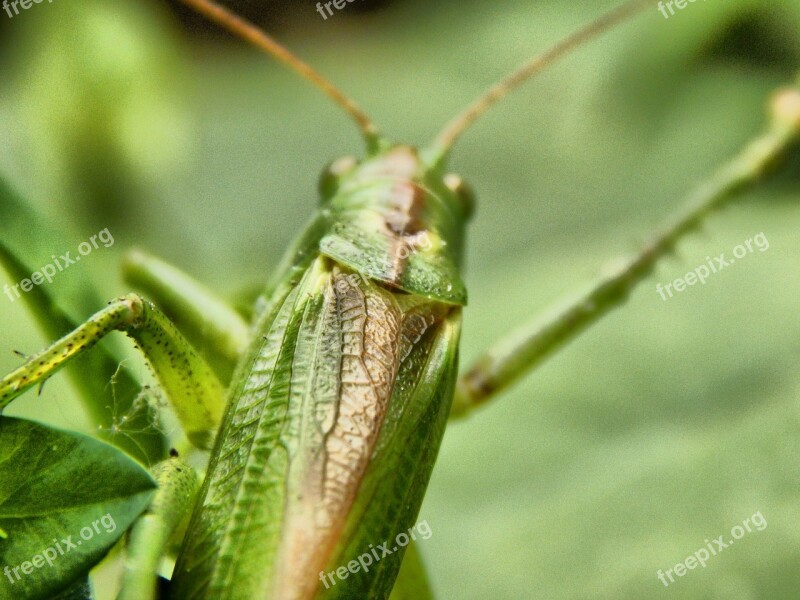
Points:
(27, 234)
(65, 500)
(26, 243)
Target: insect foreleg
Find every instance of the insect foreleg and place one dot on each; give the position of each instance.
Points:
(215, 325)
(194, 391)
(524, 349)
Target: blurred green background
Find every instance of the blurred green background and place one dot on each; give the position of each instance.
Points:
(666, 424)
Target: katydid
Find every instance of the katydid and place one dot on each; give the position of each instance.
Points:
(345, 380)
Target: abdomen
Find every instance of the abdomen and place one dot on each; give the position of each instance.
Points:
(328, 442)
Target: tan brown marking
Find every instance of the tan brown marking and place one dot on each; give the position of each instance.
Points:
(324, 484)
(404, 223)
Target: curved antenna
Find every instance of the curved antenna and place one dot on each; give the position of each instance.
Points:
(442, 143)
(249, 32)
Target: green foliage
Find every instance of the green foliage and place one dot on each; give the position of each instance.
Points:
(59, 309)
(55, 485)
(665, 425)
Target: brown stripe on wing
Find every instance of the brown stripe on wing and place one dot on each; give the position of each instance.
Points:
(367, 320)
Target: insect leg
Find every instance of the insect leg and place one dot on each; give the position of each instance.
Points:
(194, 391)
(217, 327)
(177, 487)
(523, 350)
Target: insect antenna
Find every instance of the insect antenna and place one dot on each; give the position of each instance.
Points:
(444, 141)
(263, 41)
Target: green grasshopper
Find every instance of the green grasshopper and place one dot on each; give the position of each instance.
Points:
(344, 382)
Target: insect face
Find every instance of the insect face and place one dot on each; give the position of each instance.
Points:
(403, 166)
(395, 218)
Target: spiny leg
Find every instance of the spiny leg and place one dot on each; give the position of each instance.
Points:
(194, 391)
(523, 350)
(212, 324)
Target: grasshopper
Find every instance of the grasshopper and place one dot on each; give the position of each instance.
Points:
(324, 442)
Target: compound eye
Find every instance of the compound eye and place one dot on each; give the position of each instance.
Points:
(329, 180)
(462, 191)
